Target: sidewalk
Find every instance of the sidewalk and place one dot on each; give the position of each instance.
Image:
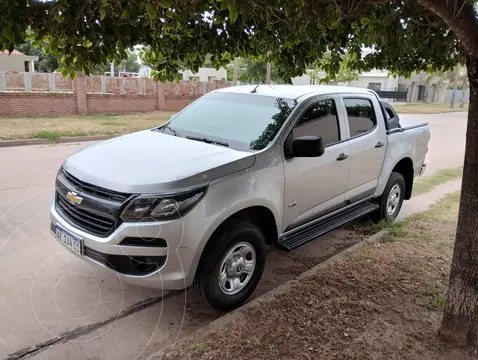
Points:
(423, 202)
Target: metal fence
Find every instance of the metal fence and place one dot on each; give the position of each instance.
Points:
(395, 95)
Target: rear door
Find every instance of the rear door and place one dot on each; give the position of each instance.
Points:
(367, 139)
(317, 185)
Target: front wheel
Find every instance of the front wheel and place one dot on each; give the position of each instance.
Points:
(390, 203)
(231, 266)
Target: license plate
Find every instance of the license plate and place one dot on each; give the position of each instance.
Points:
(72, 242)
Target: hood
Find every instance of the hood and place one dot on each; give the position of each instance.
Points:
(153, 162)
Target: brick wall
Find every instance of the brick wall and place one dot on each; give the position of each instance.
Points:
(33, 104)
(85, 97)
(178, 103)
(118, 104)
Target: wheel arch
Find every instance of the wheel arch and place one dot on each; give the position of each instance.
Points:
(260, 215)
(405, 168)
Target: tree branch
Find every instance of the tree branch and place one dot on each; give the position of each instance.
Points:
(463, 23)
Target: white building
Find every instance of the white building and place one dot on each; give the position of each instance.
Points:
(17, 61)
(378, 80)
(417, 87)
(144, 71)
(205, 74)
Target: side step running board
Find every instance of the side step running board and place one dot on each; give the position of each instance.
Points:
(296, 239)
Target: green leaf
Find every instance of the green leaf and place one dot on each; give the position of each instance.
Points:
(8, 34)
(364, 21)
(63, 71)
(102, 13)
(151, 11)
(233, 14)
(59, 18)
(125, 14)
(53, 46)
(166, 4)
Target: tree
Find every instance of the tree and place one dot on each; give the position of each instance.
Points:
(464, 88)
(345, 73)
(235, 71)
(455, 85)
(404, 35)
(255, 71)
(130, 64)
(45, 63)
(442, 76)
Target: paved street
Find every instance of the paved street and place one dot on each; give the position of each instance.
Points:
(49, 297)
(447, 142)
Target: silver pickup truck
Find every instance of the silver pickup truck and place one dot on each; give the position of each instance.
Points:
(197, 202)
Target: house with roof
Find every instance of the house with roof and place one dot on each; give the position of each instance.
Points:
(17, 61)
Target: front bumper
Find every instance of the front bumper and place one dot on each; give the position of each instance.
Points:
(422, 169)
(174, 272)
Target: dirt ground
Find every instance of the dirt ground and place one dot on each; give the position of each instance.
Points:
(384, 302)
(434, 108)
(15, 128)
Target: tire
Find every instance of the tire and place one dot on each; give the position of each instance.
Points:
(249, 243)
(395, 181)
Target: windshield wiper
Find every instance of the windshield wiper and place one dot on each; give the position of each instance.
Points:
(175, 133)
(208, 141)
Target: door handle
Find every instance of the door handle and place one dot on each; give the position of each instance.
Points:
(342, 157)
(379, 144)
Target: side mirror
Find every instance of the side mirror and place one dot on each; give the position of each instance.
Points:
(308, 146)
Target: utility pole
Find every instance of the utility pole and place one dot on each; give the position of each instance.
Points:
(112, 68)
(236, 71)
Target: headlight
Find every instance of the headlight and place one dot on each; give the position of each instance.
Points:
(162, 207)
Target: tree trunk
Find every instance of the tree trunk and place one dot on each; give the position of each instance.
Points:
(236, 71)
(463, 94)
(452, 104)
(268, 73)
(460, 318)
(427, 91)
(436, 96)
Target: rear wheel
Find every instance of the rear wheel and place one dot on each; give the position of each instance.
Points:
(231, 266)
(391, 200)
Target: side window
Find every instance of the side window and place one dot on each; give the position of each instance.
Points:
(320, 120)
(361, 116)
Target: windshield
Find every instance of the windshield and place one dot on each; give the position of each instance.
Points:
(243, 121)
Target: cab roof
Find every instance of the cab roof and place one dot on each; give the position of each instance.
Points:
(296, 92)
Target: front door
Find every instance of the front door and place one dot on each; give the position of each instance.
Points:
(316, 185)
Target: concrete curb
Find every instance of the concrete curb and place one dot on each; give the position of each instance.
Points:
(229, 318)
(11, 143)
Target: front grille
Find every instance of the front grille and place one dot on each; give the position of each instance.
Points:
(90, 221)
(94, 190)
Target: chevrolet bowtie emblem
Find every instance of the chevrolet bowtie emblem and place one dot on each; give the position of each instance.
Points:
(74, 198)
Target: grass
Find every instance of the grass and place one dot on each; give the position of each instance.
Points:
(426, 183)
(383, 302)
(50, 135)
(433, 108)
(54, 128)
(422, 185)
(111, 123)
